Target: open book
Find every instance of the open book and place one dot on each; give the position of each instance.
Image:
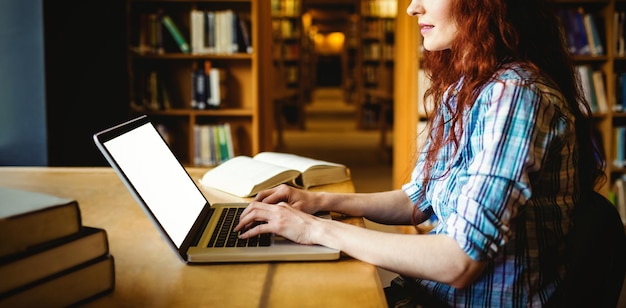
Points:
(245, 176)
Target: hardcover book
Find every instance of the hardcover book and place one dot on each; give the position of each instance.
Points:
(245, 176)
(176, 34)
(31, 218)
(36, 264)
(68, 288)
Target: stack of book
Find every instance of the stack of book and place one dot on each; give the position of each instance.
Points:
(210, 32)
(47, 257)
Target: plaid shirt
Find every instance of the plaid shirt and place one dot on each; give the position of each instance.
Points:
(509, 192)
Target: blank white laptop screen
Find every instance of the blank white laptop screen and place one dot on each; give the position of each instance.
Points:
(166, 188)
(174, 202)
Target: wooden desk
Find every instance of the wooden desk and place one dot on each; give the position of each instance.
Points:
(148, 273)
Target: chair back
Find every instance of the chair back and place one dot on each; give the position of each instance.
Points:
(597, 256)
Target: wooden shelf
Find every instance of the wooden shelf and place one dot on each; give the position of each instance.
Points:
(183, 56)
(245, 76)
(194, 112)
(288, 55)
(375, 66)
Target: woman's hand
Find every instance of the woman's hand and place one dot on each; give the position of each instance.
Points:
(281, 219)
(304, 201)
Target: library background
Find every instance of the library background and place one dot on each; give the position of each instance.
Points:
(251, 83)
(234, 75)
(224, 78)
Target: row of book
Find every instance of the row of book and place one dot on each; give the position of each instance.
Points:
(380, 8)
(594, 88)
(286, 7)
(619, 146)
(376, 51)
(47, 257)
(620, 33)
(210, 32)
(152, 39)
(593, 82)
(371, 73)
(286, 28)
(620, 93)
(378, 27)
(214, 144)
(581, 31)
(156, 94)
(208, 89)
(207, 86)
(219, 32)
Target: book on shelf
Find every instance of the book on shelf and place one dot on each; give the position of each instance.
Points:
(199, 89)
(567, 32)
(619, 146)
(286, 7)
(597, 78)
(197, 32)
(620, 92)
(31, 266)
(30, 218)
(245, 176)
(243, 33)
(619, 191)
(219, 32)
(71, 287)
(619, 39)
(574, 29)
(226, 25)
(164, 132)
(145, 40)
(208, 86)
(214, 144)
(593, 36)
(157, 96)
(586, 79)
(150, 34)
(176, 34)
(215, 79)
(209, 32)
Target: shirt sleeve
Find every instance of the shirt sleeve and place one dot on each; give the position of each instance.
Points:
(513, 128)
(508, 136)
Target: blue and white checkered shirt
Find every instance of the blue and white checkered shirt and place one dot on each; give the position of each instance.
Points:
(508, 193)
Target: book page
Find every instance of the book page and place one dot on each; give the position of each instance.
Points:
(243, 176)
(292, 161)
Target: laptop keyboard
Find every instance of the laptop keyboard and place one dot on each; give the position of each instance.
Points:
(226, 237)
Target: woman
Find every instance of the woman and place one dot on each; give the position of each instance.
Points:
(509, 154)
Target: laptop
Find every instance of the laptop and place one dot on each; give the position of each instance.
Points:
(175, 204)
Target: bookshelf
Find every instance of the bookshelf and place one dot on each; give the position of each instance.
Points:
(350, 67)
(604, 63)
(287, 55)
(244, 71)
(375, 56)
(371, 38)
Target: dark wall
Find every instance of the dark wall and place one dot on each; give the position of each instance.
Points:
(86, 78)
(22, 105)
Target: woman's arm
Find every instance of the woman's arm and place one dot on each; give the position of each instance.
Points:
(434, 257)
